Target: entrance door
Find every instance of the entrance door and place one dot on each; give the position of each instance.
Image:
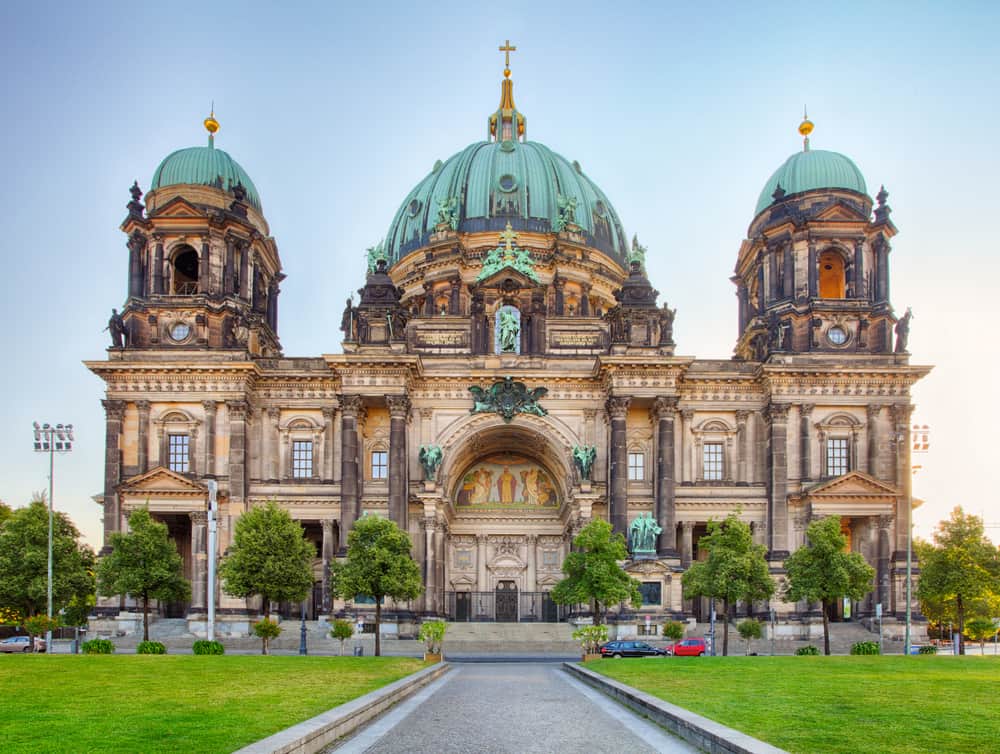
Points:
(550, 613)
(462, 607)
(506, 602)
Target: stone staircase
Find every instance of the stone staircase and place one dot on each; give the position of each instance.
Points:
(526, 639)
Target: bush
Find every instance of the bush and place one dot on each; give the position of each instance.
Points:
(265, 630)
(865, 648)
(591, 637)
(432, 635)
(206, 647)
(98, 647)
(150, 648)
(927, 649)
(807, 650)
(673, 630)
(342, 631)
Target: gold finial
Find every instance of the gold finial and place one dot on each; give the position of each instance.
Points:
(506, 49)
(212, 126)
(805, 128)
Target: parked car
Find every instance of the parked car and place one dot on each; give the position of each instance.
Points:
(689, 648)
(21, 644)
(630, 649)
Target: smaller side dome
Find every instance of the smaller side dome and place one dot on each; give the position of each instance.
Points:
(812, 170)
(204, 166)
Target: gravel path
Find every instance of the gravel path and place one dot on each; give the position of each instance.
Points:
(510, 707)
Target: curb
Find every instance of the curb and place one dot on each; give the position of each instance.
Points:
(706, 734)
(317, 733)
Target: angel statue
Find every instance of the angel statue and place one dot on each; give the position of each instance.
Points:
(583, 459)
(430, 457)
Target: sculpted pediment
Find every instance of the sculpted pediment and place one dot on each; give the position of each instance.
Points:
(507, 279)
(840, 210)
(853, 494)
(159, 481)
(179, 207)
(852, 484)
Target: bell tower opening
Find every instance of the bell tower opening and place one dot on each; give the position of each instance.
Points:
(831, 275)
(184, 269)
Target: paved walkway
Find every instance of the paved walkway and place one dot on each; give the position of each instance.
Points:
(510, 707)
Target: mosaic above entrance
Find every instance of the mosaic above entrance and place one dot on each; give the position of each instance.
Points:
(506, 481)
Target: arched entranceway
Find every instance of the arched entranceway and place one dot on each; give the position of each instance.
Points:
(506, 601)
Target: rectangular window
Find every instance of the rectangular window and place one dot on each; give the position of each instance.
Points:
(650, 591)
(302, 459)
(837, 456)
(636, 467)
(178, 453)
(711, 453)
(380, 464)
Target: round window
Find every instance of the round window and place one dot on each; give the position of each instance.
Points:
(179, 331)
(414, 207)
(507, 182)
(837, 335)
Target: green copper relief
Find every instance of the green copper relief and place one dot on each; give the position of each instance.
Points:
(642, 534)
(430, 457)
(448, 213)
(583, 459)
(567, 213)
(638, 253)
(507, 398)
(507, 254)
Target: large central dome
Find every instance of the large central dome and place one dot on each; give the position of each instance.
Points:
(506, 179)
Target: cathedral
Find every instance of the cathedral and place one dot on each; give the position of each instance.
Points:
(507, 374)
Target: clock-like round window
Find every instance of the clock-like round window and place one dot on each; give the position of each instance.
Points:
(837, 335)
(414, 207)
(507, 183)
(179, 331)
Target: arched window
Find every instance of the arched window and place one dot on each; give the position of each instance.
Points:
(831, 275)
(184, 266)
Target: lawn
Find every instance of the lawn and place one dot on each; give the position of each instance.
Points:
(173, 703)
(833, 704)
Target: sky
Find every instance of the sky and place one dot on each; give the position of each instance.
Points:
(679, 111)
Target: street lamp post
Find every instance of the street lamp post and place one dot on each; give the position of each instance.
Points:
(52, 440)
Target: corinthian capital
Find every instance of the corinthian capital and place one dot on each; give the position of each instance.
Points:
(617, 406)
(399, 406)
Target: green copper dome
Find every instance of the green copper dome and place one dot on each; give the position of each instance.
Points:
(491, 183)
(809, 171)
(204, 166)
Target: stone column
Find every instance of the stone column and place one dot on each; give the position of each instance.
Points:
(428, 299)
(859, 270)
(114, 412)
(142, 437)
(743, 297)
(272, 448)
(777, 513)
(530, 556)
(584, 300)
(237, 450)
(901, 442)
(453, 297)
(430, 581)
(813, 272)
(158, 265)
(329, 545)
(788, 271)
(873, 411)
(244, 249)
(805, 448)
(136, 247)
(741, 446)
(210, 412)
(399, 413)
(558, 285)
(882, 566)
(882, 274)
(204, 266)
(617, 407)
(329, 414)
(687, 543)
(199, 561)
(666, 510)
(350, 409)
(687, 415)
(481, 540)
(229, 267)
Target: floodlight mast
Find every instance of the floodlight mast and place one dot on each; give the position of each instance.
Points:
(52, 440)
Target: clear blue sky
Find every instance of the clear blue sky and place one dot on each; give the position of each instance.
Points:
(679, 111)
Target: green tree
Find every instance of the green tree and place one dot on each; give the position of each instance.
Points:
(378, 565)
(144, 563)
(593, 574)
(750, 629)
(735, 569)
(980, 629)
(270, 557)
(5, 512)
(823, 570)
(960, 570)
(24, 543)
(342, 631)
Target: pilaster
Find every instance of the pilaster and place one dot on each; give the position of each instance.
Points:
(617, 407)
(664, 410)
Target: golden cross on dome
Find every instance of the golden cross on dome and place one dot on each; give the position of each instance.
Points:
(508, 237)
(507, 50)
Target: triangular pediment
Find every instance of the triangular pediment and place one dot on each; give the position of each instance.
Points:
(161, 480)
(840, 210)
(500, 278)
(852, 484)
(179, 207)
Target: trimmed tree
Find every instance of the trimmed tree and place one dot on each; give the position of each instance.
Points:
(144, 563)
(342, 631)
(269, 557)
(24, 543)
(735, 569)
(593, 574)
(824, 571)
(378, 565)
(959, 569)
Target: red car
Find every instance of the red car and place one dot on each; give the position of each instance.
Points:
(689, 648)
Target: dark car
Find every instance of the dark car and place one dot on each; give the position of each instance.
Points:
(630, 649)
(21, 644)
(689, 648)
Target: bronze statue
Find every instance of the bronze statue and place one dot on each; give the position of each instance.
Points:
(347, 321)
(119, 332)
(903, 331)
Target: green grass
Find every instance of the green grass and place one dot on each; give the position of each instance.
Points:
(173, 703)
(833, 704)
